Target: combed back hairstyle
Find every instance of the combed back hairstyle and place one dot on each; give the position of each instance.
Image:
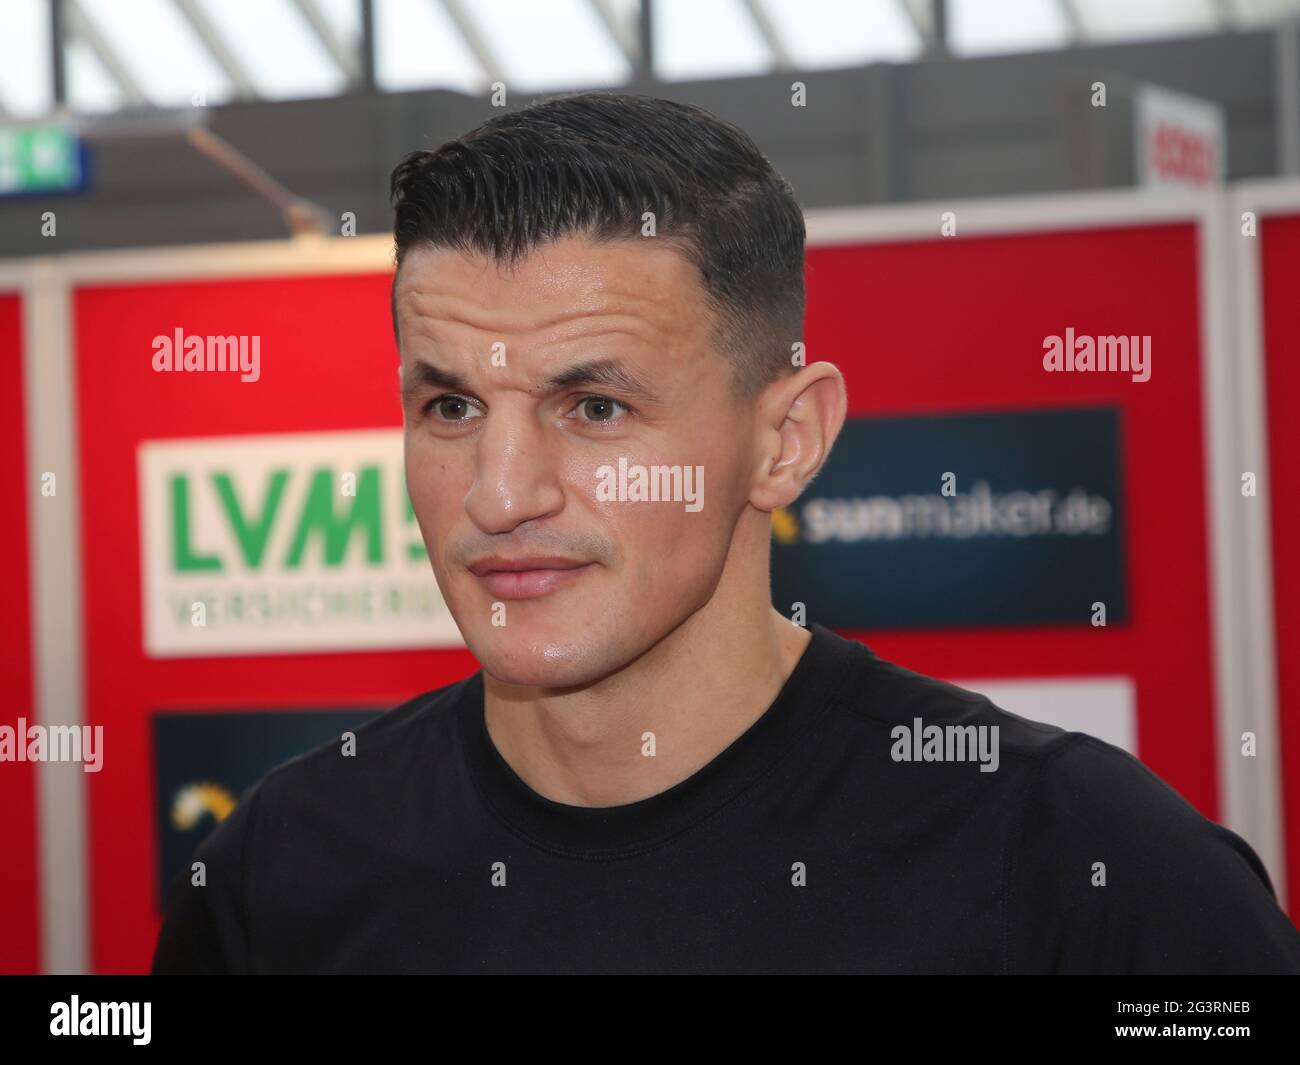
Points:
(593, 164)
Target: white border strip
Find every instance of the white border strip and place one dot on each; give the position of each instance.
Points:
(58, 693)
(1243, 607)
(1264, 198)
(1006, 215)
(300, 255)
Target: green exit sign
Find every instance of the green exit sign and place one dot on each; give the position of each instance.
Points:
(39, 159)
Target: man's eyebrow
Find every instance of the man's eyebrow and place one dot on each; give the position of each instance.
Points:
(420, 375)
(600, 373)
(607, 373)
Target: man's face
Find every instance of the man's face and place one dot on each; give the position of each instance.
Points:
(522, 391)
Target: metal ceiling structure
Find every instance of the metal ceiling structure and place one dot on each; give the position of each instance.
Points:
(96, 56)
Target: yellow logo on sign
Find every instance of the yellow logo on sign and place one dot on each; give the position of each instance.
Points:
(785, 526)
(195, 800)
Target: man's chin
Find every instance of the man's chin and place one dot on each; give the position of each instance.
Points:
(537, 660)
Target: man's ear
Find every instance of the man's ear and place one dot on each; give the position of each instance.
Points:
(800, 417)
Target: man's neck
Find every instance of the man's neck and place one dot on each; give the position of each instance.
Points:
(695, 692)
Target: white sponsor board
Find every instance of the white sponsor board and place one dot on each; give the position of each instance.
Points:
(294, 542)
(1181, 141)
(1105, 707)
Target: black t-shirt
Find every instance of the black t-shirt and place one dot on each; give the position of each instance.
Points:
(827, 837)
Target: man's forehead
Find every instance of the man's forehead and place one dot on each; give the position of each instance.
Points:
(557, 283)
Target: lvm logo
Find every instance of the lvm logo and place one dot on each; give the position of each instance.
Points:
(291, 542)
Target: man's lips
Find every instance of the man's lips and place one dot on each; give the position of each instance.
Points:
(527, 578)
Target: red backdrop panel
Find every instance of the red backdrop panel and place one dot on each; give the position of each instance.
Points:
(19, 891)
(916, 327)
(1280, 268)
(327, 362)
(958, 325)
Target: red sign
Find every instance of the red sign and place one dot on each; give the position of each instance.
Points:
(1280, 278)
(327, 361)
(959, 325)
(19, 886)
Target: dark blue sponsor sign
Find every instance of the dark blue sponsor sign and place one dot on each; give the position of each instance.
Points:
(204, 763)
(952, 520)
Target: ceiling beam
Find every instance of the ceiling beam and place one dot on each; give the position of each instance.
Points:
(474, 38)
(921, 15)
(767, 29)
(624, 33)
(81, 27)
(217, 48)
(345, 58)
(1074, 19)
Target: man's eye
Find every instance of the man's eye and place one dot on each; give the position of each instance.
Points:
(601, 408)
(454, 408)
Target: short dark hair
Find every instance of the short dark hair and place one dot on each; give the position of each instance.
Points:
(590, 164)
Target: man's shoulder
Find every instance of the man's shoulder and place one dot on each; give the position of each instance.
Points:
(891, 695)
(369, 756)
(1073, 791)
(1089, 793)
(1112, 870)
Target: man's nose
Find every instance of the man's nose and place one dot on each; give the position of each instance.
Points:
(516, 479)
